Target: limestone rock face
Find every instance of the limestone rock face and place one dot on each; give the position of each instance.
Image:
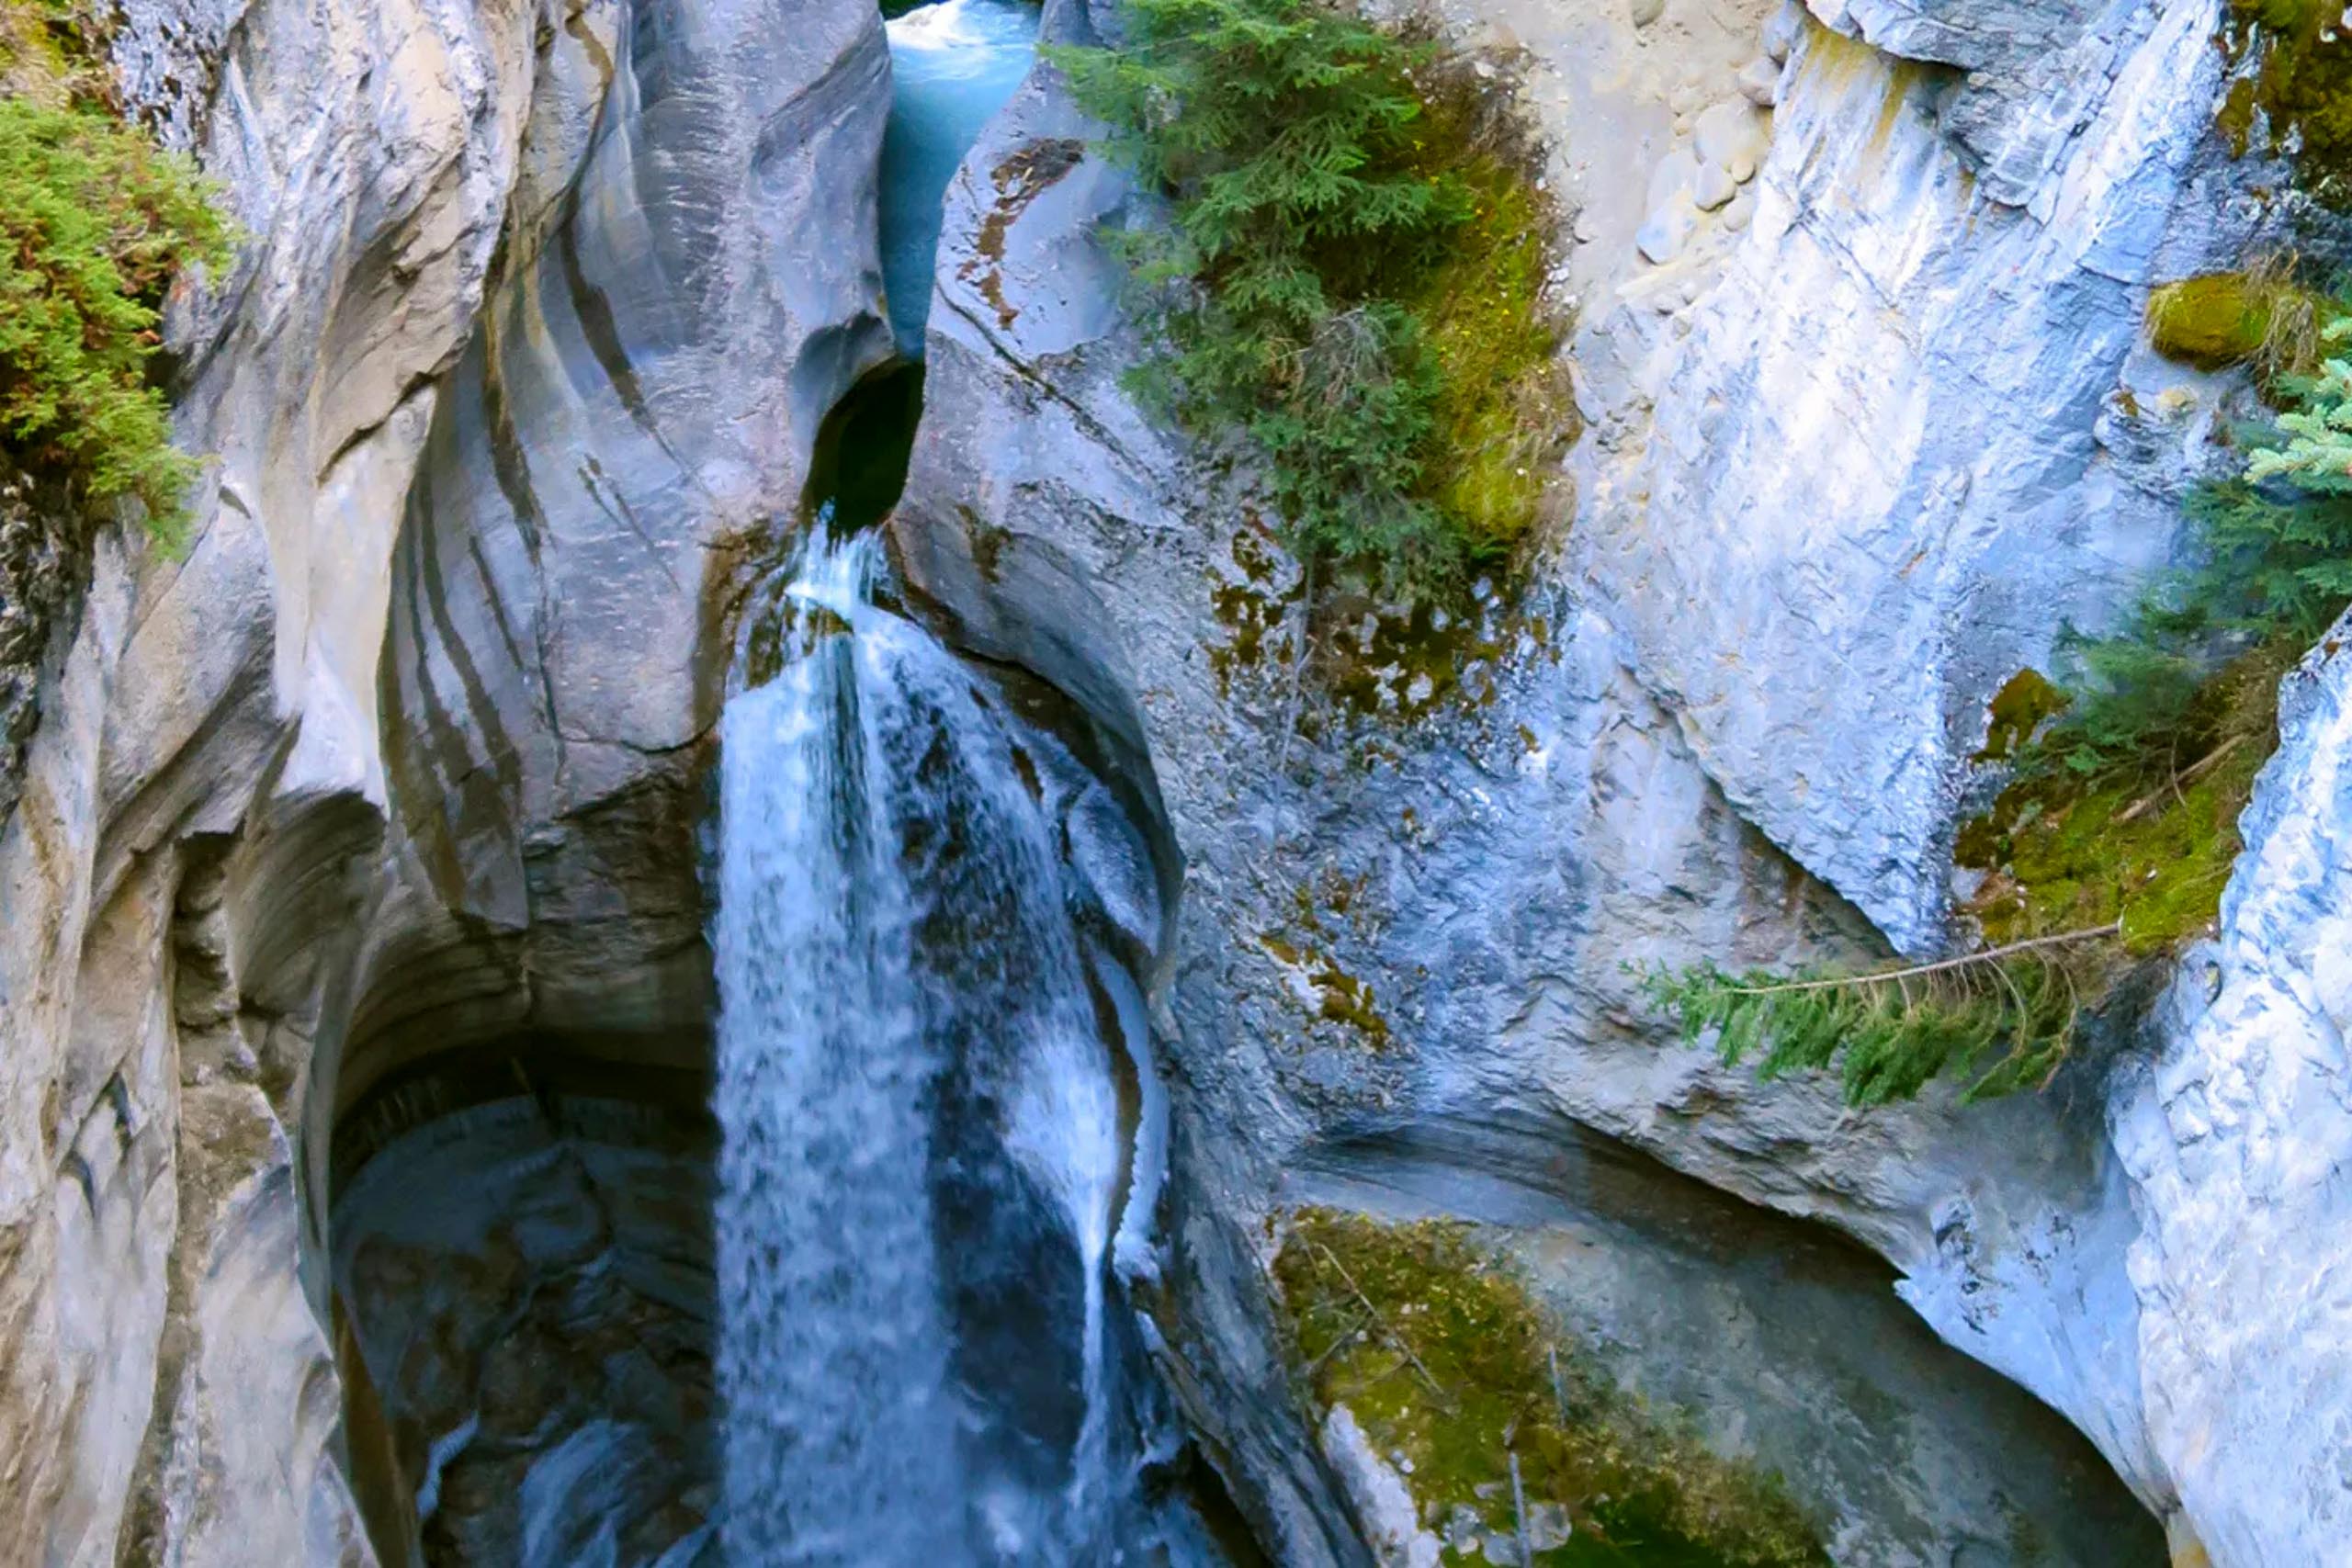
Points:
(1877, 455)
(1855, 457)
(639, 402)
(300, 769)
(2236, 1138)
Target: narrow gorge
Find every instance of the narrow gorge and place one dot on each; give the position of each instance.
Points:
(736, 898)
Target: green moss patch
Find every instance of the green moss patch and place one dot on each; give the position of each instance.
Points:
(2293, 95)
(2149, 843)
(2259, 318)
(1306, 944)
(1503, 411)
(1442, 1355)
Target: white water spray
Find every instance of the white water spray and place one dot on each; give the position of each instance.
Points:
(922, 1139)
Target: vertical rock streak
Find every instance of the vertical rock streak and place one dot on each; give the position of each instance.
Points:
(921, 1135)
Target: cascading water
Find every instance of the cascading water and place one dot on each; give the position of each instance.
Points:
(929, 1163)
(952, 66)
(922, 1149)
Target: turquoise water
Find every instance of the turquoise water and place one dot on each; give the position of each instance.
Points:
(953, 65)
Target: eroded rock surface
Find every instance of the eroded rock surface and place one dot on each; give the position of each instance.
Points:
(544, 302)
(1856, 457)
(286, 786)
(2236, 1138)
(528, 1286)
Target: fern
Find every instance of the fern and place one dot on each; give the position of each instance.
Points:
(1889, 1032)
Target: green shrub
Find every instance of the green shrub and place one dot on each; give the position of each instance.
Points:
(2274, 567)
(95, 222)
(1350, 275)
(2148, 843)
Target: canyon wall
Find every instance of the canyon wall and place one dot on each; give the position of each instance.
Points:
(1862, 441)
(541, 310)
(400, 752)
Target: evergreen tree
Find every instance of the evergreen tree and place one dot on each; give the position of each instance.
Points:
(1286, 133)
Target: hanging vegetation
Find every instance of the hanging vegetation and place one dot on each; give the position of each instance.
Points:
(96, 222)
(2115, 838)
(1437, 1349)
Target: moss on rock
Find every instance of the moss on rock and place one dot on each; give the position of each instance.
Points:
(2293, 94)
(1505, 411)
(2061, 851)
(2260, 318)
(1442, 1355)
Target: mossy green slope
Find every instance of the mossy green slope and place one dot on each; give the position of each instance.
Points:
(1439, 1351)
(1359, 247)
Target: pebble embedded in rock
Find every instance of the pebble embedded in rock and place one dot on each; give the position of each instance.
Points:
(1714, 187)
(1671, 213)
(1741, 212)
(1728, 131)
(1759, 80)
(1645, 12)
(1676, 176)
(1780, 32)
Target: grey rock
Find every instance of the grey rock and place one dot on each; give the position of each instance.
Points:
(579, 214)
(1729, 134)
(1661, 239)
(1759, 81)
(1898, 545)
(1381, 1497)
(2237, 1267)
(1714, 187)
(1672, 208)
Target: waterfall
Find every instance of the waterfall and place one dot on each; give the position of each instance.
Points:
(922, 1139)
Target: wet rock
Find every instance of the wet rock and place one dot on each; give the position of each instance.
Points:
(1382, 1498)
(441, 760)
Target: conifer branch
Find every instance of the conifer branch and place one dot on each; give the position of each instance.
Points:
(1941, 965)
